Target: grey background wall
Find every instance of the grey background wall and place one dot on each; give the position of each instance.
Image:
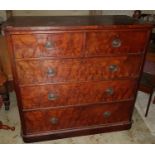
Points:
(76, 12)
(68, 12)
(50, 12)
(2, 15)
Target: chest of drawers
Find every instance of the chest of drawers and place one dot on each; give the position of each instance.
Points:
(75, 75)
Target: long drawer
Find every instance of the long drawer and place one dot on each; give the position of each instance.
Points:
(73, 70)
(115, 42)
(77, 93)
(64, 118)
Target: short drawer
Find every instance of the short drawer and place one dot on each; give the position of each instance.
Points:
(77, 93)
(47, 45)
(69, 118)
(115, 42)
(77, 70)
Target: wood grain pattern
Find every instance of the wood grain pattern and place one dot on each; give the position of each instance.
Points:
(83, 131)
(84, 116)
(77, 93)
(70, 45)
(74, 70)
(34, 46)
(100, 43)
(76, 59)
(4, 58)
(23, 24)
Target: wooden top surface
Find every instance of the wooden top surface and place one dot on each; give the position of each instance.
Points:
(74, 22)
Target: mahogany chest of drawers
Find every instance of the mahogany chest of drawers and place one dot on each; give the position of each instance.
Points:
(75, 75)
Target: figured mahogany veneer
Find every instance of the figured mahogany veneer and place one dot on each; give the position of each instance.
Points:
(75, 75)
(73, 70)
(84, 116)
(101, 43)
(47, 45)
(72, 44)
(77, 93)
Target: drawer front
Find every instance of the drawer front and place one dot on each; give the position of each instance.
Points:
(48, 45)
(84, 116)
(77, 93)
(115, 42)
(73, 70)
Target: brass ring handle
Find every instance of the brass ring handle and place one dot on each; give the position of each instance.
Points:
(113, 68)
(54, 120)
(116, 42)
(106, 114)
(109, 91)
(52, 96)
(48, 44)
(51, 72)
